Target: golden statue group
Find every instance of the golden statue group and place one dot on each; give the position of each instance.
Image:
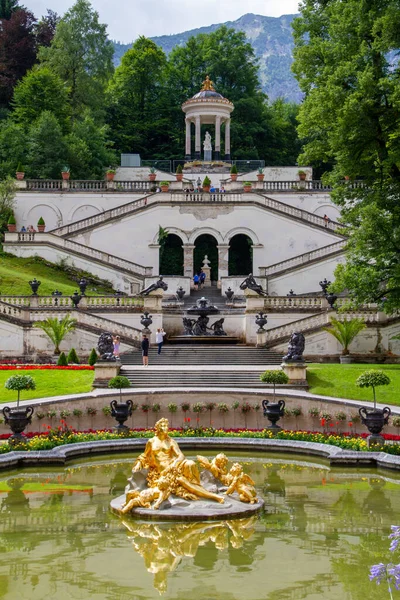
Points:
(169, 472)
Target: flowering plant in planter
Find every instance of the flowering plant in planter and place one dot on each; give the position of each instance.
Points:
(164, 185)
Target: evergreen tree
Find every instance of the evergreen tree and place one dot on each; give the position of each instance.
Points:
(13, 141)
(62, 360)
(47, 149)
(72, 357)
(93, 357)
(7, 8)
(81, 54)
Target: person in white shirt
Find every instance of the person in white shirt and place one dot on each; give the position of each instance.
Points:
(160, 339)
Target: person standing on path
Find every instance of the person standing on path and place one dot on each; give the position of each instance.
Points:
(145, 350)
(202, 278)
(116, 343)
(160, 339)
(196, 281)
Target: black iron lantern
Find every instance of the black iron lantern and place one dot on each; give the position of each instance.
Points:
(82, 285)
(34, 286)
(273, 411)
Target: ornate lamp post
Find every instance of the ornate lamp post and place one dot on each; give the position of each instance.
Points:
(324, 286)
(34, 286)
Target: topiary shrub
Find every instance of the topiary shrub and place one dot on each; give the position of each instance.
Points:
(179, 169)
(11, 220)
(93, 357)
(373, 378)
(62, 360)
(72, 357)
(274, 377)
(20, 383)
(234, 170)
(119, 382)
(41, 221)
(206, 181)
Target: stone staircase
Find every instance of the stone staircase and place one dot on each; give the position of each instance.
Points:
(199, 366)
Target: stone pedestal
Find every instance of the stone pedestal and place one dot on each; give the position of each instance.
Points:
(223, 262)
(153, 302)
(254, 302)
(105, 370)
(296, 371)
(261, 338)
(188, 260)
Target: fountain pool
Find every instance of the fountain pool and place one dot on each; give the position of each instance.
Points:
(321, 530)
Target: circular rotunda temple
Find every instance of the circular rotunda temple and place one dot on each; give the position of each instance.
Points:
(208, 107)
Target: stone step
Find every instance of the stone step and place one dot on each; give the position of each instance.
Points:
(152, 378)
(205, 355)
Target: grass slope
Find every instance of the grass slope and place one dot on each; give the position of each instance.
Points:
(48, 383)
(340, 381)
(15, 273)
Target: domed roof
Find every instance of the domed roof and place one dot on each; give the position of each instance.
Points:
(207, 94)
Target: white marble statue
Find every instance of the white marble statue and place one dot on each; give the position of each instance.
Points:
(207, 142)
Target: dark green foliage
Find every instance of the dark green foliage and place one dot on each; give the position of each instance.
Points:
(20, 168)
(171, 257)
(373, 378)
(47, 148)
(93, 357)
(41, 221)
(62, 360)
(11, 219)
(179, 169)
(7, 8)
(206, 181)
(275, 377)
(72, 357)
(234, 170)
(346, 63)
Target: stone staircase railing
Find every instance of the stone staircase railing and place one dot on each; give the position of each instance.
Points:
(283, 303)
(84, 185)
(86, 251)
(61, 302)
(303, 259)
(279, 334)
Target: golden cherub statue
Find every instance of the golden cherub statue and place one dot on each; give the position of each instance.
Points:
(208, 85)
(163, 458)
(144, 498)
(241, 483)
(217, 466)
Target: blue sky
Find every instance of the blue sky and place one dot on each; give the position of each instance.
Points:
(127, 19)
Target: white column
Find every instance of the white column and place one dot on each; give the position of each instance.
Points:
(198, 140)
(217, 137)
(228, 139)
(188, 141)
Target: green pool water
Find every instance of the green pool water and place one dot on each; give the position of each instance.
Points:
(321, 530)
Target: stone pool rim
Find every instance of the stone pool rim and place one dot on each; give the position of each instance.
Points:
(334, 455)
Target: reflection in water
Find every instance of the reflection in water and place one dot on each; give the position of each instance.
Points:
(163, 546)
(15, 499)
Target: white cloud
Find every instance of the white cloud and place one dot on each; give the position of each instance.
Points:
(127, 19)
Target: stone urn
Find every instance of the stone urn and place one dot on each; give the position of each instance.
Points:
(120, 412)
(146, 320)
(229, 294)
(75, 299)
(273, 411)
(374, 420)
(17, 419)
(35, 284)
(261, 320)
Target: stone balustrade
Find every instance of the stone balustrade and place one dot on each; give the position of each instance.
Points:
(303, 259)
(61, 302)
(284, 303)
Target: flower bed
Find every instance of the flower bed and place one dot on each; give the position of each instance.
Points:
(46, 367)
(64, 435)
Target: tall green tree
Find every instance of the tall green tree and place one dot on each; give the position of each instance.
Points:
(134, 98)
(81, 54)
(13, 150)
(47, 148)
(41, 90)
(345, 61)
(7, 8)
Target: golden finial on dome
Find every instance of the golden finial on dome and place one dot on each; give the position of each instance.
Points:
(207, 85)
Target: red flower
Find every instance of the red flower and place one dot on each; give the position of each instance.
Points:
(323, 421)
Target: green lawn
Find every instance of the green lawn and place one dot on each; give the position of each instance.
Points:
(340, 381)
(15, 273)
(48, 383)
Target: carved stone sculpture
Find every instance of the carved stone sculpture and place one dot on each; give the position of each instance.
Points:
(251, 284)
(188, 326)
(295, 347)
(105, 347)
(158, 285)
(218, 327)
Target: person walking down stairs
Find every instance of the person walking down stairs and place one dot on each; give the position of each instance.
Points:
(160, 339)
(145, 350)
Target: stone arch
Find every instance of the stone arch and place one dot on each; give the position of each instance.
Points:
(51, 214)
(196, 233)
(176, 231)
(171, 255)
(206, 244)
(240, 258)
(242, 230)
(327, 209)
(83, 212)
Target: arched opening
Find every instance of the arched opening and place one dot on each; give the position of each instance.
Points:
(206, 244)
(171, 256)
(240, 255)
